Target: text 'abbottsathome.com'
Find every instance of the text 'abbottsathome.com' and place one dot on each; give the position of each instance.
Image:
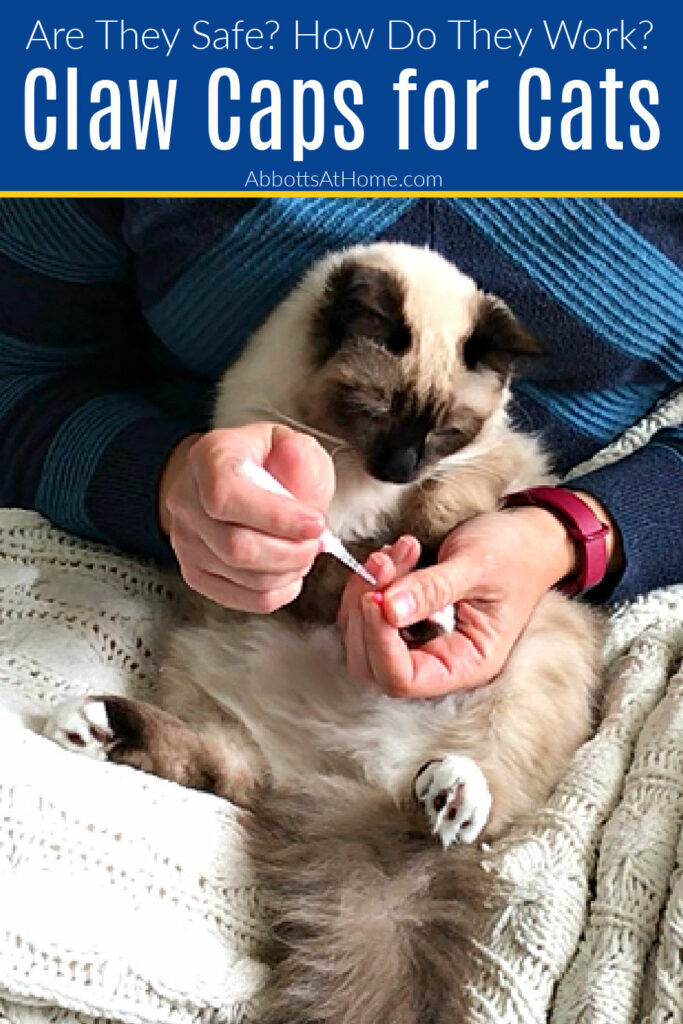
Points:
(350, 180)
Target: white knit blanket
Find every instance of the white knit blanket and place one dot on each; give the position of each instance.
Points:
(126, 898)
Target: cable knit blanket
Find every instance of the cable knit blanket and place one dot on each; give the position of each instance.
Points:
(126, 898)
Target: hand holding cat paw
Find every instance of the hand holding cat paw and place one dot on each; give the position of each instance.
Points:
(376, 651)
(235, 543)
(495, 568)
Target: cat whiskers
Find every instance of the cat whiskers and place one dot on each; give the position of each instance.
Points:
(267, 409)
(468, 467)
(345, 457)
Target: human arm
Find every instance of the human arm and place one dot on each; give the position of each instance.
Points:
(496, 567)
(643, 494)
(83, 438)
(95, 419)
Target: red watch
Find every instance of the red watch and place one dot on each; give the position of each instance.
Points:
(583, 526)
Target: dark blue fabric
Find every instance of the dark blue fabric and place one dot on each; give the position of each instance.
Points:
(644, 489)
(118, 316)
(47, 311)
(657, 220)
(35, 406)
(166, 235)
(121, 494)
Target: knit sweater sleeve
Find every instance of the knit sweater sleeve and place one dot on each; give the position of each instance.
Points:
(643, 495)
(81, 440)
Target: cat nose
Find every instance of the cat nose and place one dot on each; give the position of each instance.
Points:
(395, 465)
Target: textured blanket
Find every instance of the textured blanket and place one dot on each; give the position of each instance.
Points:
(126, 898)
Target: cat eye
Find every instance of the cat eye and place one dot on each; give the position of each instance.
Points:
(445, 434)
(445, 440)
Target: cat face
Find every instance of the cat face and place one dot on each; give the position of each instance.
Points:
(412, 359)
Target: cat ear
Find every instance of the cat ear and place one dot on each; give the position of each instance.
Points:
(362, 304)
(498, 339)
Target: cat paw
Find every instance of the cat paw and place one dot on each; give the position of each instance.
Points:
(81, 725)
(455, 798)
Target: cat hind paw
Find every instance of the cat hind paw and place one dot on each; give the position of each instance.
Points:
(455, 798)
(82, 726)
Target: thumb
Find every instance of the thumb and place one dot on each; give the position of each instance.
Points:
(421, 593)
(303, 467)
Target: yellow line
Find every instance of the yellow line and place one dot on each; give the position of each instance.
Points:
(605, 193)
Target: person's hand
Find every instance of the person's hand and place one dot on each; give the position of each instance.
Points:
(241, 546)
(495, 567)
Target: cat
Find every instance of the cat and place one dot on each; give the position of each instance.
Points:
(368, 809)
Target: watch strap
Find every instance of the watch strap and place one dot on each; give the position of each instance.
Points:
(586, 530)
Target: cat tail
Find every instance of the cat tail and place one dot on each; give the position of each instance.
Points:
(373, 922)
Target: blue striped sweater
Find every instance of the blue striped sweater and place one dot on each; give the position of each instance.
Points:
(117, 317)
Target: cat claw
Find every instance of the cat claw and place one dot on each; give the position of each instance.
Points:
(82, 726)
(455, 797)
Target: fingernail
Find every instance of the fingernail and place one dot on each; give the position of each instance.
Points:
(311, 525)
(375, 563)
(403, 605)
(402, 548)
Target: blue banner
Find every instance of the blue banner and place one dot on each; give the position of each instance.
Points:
(454, 97)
